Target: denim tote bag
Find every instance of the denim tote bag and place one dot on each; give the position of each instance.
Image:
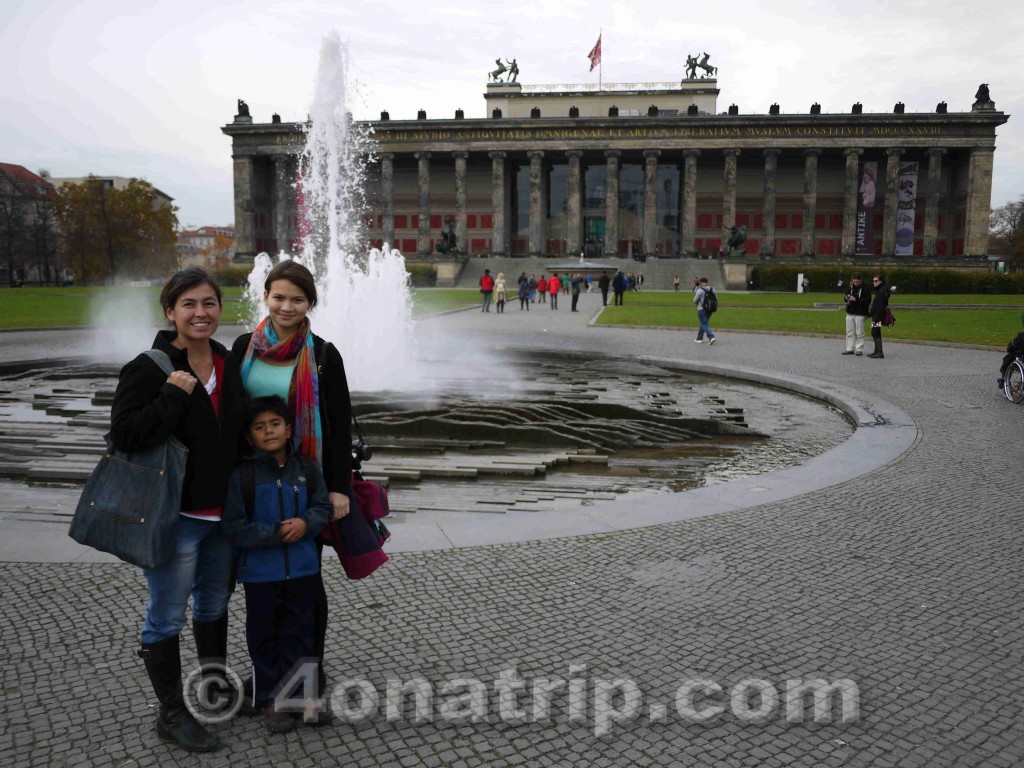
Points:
(131, 502)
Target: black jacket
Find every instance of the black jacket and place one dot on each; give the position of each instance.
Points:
(335, 408)
(879, 303)
(147, 410)
(861, 300)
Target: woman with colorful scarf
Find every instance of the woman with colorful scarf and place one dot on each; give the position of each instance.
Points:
(283, 357)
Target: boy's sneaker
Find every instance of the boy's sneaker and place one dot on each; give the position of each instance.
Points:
(698, 341)
(279, 722)
(712, 340)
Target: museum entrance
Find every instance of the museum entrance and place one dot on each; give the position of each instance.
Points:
(593, 236)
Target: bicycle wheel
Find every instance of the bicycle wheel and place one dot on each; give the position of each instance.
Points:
(1013, 384)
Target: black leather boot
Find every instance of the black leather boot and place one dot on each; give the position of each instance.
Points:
(174, 723)
(212, 650)
(877, 354)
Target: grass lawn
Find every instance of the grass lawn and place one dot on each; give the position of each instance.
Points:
(991, 327)
(787, 312)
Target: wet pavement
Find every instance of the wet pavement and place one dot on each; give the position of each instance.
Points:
(892, 561)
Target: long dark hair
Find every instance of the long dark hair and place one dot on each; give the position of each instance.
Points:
(295, 274)
(184, 281)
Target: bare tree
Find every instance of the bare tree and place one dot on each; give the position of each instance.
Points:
(13, 228)
(1006, 229)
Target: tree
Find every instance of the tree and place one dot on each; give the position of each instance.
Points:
(117, 232)
(14, 227)
(1006, 229)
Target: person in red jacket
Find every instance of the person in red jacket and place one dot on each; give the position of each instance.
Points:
(553, 285)
(542, 289)
(486, 288)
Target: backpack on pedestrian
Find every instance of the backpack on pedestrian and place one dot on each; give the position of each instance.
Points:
(710, 302)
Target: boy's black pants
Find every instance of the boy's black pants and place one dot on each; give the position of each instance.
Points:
(279, 631)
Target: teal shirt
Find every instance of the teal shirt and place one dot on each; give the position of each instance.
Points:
(266, 380)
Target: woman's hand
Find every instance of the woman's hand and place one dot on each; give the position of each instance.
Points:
(184, 380)
(339, 501)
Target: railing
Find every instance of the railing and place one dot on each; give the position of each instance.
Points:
(595, 88)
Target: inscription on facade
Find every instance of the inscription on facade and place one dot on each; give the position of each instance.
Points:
(666, 132)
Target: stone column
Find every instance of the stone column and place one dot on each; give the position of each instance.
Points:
(537, 212)
(387, 176)
(979, 201)
(892, 177)
(690, 201)
(771, 165)
(499, 207)
(574, 221)
(281, 199)
(423, 244)
(851, 190)
(931, 211)
(810, 199)
(461, 244)
(611, 204)
(650, 229)
(729, 194)
(245, 244)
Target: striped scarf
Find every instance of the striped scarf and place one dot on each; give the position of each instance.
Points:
(304, 392)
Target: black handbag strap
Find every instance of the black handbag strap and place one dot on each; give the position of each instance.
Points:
(320, 364)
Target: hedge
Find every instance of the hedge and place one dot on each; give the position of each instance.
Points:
(782, 277)
(421, 274)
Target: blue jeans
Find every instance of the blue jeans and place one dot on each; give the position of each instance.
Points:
(702, 316)
(487, 302)
(201, 567)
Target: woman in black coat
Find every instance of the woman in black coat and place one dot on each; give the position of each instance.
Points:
(191, 405)
(879, 304)
(284, 357)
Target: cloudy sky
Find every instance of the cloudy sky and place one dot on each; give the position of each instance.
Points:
(141, 89)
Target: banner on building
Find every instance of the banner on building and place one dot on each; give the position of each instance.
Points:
(865, 242)
(906, 208)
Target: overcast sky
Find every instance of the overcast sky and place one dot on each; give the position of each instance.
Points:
(142, 89)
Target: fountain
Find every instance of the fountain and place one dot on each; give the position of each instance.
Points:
(365, 304)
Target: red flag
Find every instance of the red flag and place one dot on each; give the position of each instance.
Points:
(595, 54)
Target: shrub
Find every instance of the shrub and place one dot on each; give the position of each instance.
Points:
(782, 277)
(422, 274)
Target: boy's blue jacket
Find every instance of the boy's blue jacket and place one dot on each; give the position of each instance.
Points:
(281, 493)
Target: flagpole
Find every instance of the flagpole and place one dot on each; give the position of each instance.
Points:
(600, 62)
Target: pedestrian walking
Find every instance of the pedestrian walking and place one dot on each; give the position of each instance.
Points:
(487, 289)
(858, 302)
(554, 284)
(879, 304)
(524, 295)
(619, 285)
(604, 282)
(500, 292)
(577, 283)
(542, 289)
(675, 283)
(707, 303)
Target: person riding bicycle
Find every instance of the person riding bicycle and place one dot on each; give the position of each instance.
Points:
(1013, 350)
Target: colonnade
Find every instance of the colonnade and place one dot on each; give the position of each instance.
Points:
(979, 181)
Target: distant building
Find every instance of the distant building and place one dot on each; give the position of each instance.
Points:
(198, 247)
(28, 228)
(655, 169)
(160, 199)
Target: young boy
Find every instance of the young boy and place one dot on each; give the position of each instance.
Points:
(276, 506)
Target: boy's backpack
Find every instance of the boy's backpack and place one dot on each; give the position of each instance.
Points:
(710, 302)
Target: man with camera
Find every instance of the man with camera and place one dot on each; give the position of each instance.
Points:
(858, 300)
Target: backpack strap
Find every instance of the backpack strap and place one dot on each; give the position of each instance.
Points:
(321, 363)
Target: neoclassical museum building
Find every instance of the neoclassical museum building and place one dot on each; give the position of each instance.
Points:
(648, 169)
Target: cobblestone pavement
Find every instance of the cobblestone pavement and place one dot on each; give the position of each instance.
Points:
(907, 582)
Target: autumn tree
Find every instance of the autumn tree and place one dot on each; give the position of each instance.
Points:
(1006, 229)
(14, 227)
(111, 233)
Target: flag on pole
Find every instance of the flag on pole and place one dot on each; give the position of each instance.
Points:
(595, 54)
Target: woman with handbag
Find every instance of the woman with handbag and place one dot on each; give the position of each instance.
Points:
(283, 357)
(879, 305)
(149, 408)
